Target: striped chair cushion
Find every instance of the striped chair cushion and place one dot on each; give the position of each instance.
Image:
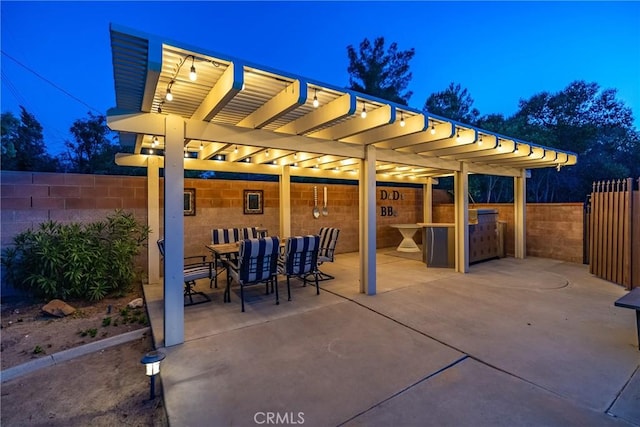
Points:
(196, 272)
(328, 240)
(257, 260)
(231, 235)
(301, 255)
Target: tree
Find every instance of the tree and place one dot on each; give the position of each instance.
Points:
(453, 103)
(23, 147)
(584, 119)
(378, 73)
(92, 149)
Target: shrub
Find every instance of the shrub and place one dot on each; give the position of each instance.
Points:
(88, 261)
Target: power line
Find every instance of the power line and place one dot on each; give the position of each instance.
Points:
(50, 82)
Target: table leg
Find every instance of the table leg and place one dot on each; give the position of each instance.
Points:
(408, 244)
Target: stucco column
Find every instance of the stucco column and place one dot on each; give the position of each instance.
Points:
(174, 231)
(367, 192)
(461, 189)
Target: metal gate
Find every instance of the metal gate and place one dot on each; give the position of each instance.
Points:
(613, 232)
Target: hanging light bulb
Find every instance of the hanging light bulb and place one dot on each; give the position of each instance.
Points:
(402, 123)
(480, 139)
(186, 153)
(150, 151)
(201, 146)
(457, 135)
(235, 150)
(267, 153)
(433, 128)
(192, 74)
(169, 95)
(364, 110)
(315, 98)
(295, 155)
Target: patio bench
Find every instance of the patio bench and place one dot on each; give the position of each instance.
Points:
(632, 301)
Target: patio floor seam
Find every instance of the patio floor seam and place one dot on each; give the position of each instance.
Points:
(409, 387)
(617, 396)
(477, 359)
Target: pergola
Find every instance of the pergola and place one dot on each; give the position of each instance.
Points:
(212, 112)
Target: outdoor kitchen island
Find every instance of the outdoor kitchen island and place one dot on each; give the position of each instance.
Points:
(485, 239)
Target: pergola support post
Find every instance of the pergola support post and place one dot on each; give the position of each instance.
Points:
(427, 201)
(153, 219)
(285, 202)
(367, 193)
(174, 231)
(461, 190)
(520, 214)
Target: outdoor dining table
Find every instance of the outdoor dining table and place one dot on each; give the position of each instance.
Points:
(220, 251)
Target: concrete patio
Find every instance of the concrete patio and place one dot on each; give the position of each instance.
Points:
(514, 342)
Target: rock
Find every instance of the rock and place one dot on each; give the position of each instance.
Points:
(136, 303)
(58, 308)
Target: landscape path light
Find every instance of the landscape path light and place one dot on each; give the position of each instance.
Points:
(151, 361)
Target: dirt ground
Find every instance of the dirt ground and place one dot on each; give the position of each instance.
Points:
(105, 388)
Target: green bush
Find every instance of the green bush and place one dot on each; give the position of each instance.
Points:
(88, 261)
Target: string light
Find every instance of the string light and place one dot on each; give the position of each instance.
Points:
(457, 134)
(480, 140)
(235, 150)
(169, 95)
(155, 141)
(316, 103)
(433, 128)
(402, 123)
(192, 74)
(267, 153)
(150, 151)
(364, 110)
(201, 146)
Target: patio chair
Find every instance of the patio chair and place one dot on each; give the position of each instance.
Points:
(328, 240)
(194, 270)
(257, 263)
(300, 259)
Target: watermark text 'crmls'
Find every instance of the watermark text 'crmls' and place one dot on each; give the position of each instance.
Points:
(279, 418)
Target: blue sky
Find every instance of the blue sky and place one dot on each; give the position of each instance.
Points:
(500, 51)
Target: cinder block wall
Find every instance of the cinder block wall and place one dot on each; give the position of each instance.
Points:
(554, 230)
(219, 204)
(30, 198)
